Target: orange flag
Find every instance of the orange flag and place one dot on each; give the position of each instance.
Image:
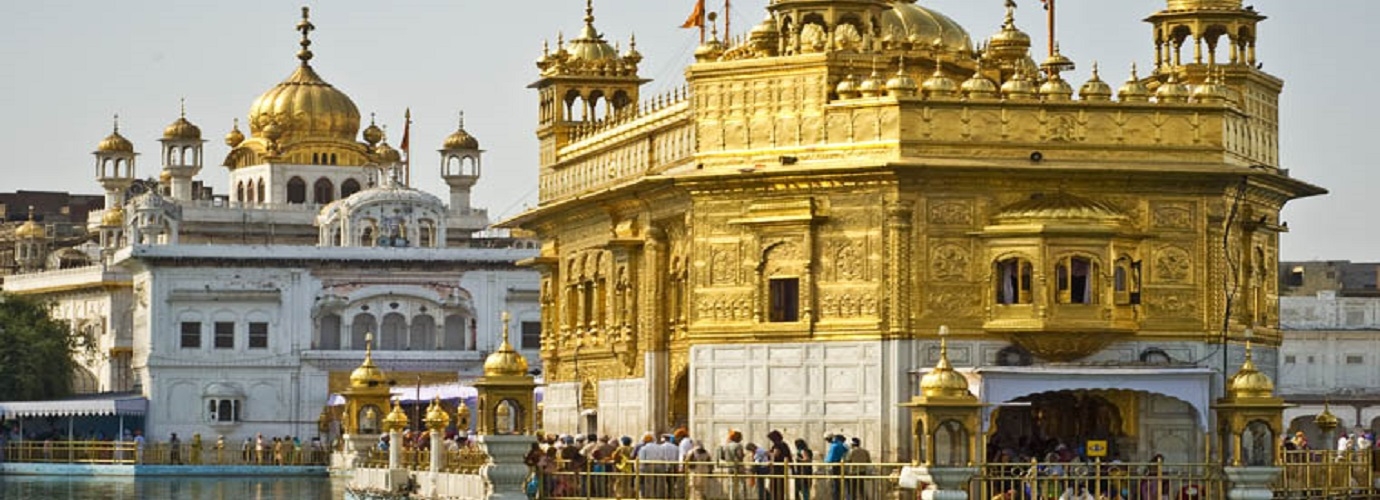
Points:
(696, 19)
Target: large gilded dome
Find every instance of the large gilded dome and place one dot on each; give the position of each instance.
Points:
(908, 22)
(304, 107)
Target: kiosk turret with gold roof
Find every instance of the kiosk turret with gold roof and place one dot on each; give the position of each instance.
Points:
(367, 397)
(1250, 418)
(506, 391)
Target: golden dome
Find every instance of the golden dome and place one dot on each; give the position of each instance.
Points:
(1172, 91)
(386, 153)
(436, 417)
(979, 86)
(115, 143)
(304, 106)
(1095, 89)
(1133, 90)
(590, 46)
(1058, 206)
(505, 362)
(710, 50)
(1211, 91)
(907, 22)
(30, 230)
(939, 84)
(367, 375)
(372, 134)
(165, 176)
(1018, 88)
(113, 217)
(871, 86)
(1326, 421)
(395, 420)
(1250, 382)
(901, 85)
(943, 381)
(1056, 89)
(847, 88)
(1009, 40)
(460, 139)
(235, 137)
(182, 130)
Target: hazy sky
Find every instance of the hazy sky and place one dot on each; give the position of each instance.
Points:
(68, 65)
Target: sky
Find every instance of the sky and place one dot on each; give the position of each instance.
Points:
(66, 66)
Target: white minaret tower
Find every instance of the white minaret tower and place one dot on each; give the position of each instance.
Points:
(182, 155)
(460, 166)
(115, 166)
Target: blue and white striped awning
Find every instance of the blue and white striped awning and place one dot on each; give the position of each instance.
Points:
(112, 404)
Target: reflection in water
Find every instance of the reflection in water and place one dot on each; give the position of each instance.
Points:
(171, 488)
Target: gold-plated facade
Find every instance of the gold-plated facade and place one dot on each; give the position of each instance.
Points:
(774, 200)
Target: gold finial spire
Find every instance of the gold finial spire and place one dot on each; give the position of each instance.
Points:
(943, 349)
(462, 119)
(182, 107)
(306, 27)
(31, 213)
(589, 12)
(117, 123)
(505, 346)
(369, 347)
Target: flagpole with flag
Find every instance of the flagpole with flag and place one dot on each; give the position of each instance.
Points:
(406, 146)
(696, 19)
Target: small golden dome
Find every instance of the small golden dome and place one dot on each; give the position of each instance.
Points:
(901, 84)
(1326, 421)
(386, 153)
(590, 46)
(505, 362)
(940, 85)
(1133, 90)
(29, 230)
(710, 50)
(847, 88)
(234, 137)
(1056, 89)
(366, 375)
(943, 381)
(872, 86)
(113, 217)
(1095, 89)
(1172, 91)
(764, 36)
(1018, 88)
(1211, 91)
(115, 143)
(1250, 382)
(372, 134)
(182, 130)
(396, 420)
(979, 86)
(165, 177)
(460, 139)
(436, 417)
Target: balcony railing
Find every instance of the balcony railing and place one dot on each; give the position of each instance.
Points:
(287, 453)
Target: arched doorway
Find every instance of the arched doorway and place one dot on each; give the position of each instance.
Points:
(680, 401)
(1135, 424)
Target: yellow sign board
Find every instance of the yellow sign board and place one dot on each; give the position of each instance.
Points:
(1097, 448)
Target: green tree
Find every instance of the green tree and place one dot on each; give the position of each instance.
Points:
(37, 352)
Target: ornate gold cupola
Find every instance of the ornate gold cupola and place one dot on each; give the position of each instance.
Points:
(944, 415)
(302, 119)
(582, 82)
(1250, 411)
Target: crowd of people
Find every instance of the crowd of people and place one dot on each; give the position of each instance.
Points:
(677, 465)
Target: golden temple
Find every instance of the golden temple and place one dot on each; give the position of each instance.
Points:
(774, 244)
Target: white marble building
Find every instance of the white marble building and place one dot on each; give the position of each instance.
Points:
(240, 314)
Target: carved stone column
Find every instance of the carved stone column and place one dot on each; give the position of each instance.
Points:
(898, 267)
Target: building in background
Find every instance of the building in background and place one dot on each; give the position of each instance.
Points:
(1329, 316)
(241, 313)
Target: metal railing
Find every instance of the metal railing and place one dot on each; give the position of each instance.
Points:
(466, 460)
(717, 480)
(1097, 479)
(1327, 474)
(130, 453)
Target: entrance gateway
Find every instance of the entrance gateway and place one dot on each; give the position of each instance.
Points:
(1139, 412)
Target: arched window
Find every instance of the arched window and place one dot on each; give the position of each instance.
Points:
(427, 234)
(349, 187)
(362, 325)
(454, 339)
(1076, 280)
(260, 192)
(423, 334)
(329, 337)
(323, 192)
(239, 192)
(394, 332)
(296, 190)
(1013, 281)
